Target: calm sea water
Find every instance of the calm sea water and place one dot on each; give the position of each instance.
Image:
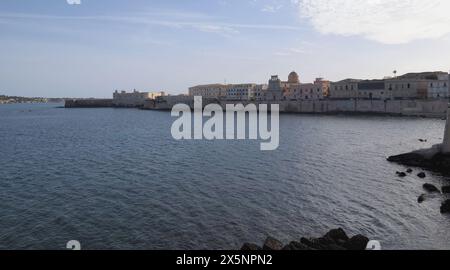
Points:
(115, 179)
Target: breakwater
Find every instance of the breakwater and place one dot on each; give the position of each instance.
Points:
(436, 108)
(88, 103)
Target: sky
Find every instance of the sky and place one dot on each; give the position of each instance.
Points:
(89, 48)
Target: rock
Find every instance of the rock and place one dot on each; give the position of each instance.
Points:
(445, 207)
(337, 235)
(357, 242)
(422, 140)
(312, 243)
(296, 246)
(421, 198)
(401, 174)
(323, 243)
(431, 159)
(409, 171)
(422, 175)
(250, 247)
(272, 244)
(430, 188)
(446, 189)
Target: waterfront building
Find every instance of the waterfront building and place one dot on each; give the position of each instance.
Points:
(134, 99)
(278, 89)
(261, 92)
(419, 85)
(409, 86)
(317, 90)
(439, 88)
(238, 92)
(345, 89)
(209, 90)
(372, 89)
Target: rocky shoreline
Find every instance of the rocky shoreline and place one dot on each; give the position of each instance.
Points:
(432, 159)
(336, 239)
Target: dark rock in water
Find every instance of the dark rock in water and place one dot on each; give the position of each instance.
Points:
(272, 244)
(422, 175)
(313, 243)
(409, 170)
(431, 188)
(401, 174)
(445, 208)
(421, 198)
(357, 242)
(250, 247)
(335, 239)
(429, 159)
(296, 246)
(324, 243)
(337, 235)
(446, 189)
(422, 140)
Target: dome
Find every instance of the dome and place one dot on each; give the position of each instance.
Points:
(293, 77)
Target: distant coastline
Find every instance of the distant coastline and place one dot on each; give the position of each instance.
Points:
(18, 100)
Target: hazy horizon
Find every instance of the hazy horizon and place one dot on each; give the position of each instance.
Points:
(52, 49)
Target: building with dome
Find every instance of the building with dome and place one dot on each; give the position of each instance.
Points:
(293, 78)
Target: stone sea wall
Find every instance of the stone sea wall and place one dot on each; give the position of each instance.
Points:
(424, 108)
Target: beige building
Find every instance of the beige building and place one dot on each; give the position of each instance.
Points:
(308, 91)
(209, 90)
(133, 99)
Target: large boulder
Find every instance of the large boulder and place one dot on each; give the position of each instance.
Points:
(421, 175)
(421, 198)
(357, 242)
(250, 247)
(431, 188)
(296, 246)
(338, 235)
(445, 208)
(446, 189)
(272, 244)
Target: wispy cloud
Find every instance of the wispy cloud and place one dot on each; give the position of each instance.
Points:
(271, 8)
(172, 20)
(385, 21)
(302, 48)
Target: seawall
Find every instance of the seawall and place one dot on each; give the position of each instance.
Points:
(436, 108)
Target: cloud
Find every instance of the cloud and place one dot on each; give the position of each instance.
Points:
(385, 21)
(291, 51)
(74, 2)
(271, 8)
(168, 19)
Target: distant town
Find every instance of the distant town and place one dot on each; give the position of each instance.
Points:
(16, 99)
(425, 85)
(419, 94)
